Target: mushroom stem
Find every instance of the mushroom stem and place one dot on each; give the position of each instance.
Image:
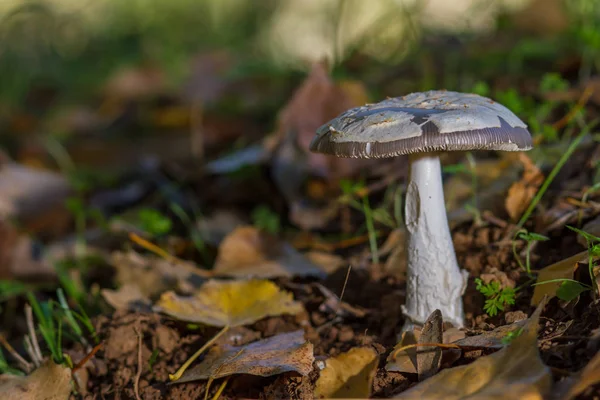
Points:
(434, 280)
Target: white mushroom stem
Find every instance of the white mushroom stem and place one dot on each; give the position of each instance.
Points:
(434, 280)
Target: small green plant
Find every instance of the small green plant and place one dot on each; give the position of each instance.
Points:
(512, 335)
(153, 222)
(497, 298)
(569, 289)
(266, 220)
(530, 238)
(49, 328)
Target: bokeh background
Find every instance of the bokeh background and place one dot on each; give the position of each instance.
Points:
(99, 76)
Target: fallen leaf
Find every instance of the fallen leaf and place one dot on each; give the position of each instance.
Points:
(127, 297)
(563, 269)
(589, 376)
(348, 375)
(32, 194)
(248, 252)
(491, 339)
(327, 261)
(515, 372)
(426, 360)
(521, 193)
(278, 354)
(49, 382)
(315, 102)
(230, 303)
(429, 358)
(153, 275)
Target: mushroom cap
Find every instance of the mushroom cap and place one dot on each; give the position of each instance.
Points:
(436, 120)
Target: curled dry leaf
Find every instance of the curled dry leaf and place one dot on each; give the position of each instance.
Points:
(278, 354)
(349, 375)
(230, 303)
(515, 372)
(248, 252)
(49, 382)
(520, 193)
(561, 270)
(425, 361)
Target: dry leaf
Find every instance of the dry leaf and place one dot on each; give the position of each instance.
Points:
(278, 354)
(49, 382)
(520, 193)
(515, 372)
(349, 375)
(36, 197)
(314, 103)
(422, 360)
(492, 339)
(589, 376)
(561, 270)
(154, 275)
(248, 252)
(127, 297)
(230, 303)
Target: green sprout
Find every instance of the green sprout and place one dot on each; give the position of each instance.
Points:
(153, 222)
(266, 220)
(497, 298)
(530, 238)
(512, 335)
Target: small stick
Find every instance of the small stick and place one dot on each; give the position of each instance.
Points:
(27, 367)
(221, 388)
(85, 359)
(136, 381)
(34, 342)
(345, 282)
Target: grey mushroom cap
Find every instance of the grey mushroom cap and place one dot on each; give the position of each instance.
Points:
(432, 121)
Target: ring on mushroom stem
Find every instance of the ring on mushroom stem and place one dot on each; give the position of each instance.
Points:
(422, 125)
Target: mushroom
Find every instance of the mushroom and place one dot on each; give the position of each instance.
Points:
(422, 125)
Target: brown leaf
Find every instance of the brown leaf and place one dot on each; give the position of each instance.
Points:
(49, 382)
(248, 252)
(348, 375)
(425, 361)
(563, 269)
(127, 297)
(429, 358)
(278, 354)
(314, 103)
(515, 372)
(520, 193)
(589, 376)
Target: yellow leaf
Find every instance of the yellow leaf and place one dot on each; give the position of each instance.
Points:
(49, 382)
(561, 270)
(515, 372)
(275, 355)
(230, 303)
(349, 375)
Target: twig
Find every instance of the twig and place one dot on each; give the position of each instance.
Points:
(85, 359)
(25, 365)
(221, 388)
(136, 381)
(186, 365)
(583, 99)
(345, 282)
(35, 346)
(146, 244)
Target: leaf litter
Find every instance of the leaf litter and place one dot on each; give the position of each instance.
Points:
(212, 162)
